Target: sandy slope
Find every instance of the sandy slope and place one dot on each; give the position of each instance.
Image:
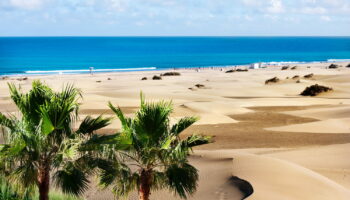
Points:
(285, 145)
(280, 179)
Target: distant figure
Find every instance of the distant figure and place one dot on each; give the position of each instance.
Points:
(91, 69)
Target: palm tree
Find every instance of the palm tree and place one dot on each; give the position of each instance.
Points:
(41, 143)
(150, 153)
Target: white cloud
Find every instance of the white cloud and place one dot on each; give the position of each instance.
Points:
(275, 6)
(27, 4)
(248, 18)
(313, 10)
(174, 14)
(325, 18)
(253, 3)
(117, 5)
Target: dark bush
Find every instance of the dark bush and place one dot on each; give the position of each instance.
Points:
(144, 78)
(314, 90)
(348, 65)
(236, 70)
(200, 85)
(295, 77)
(285, 68)
(333, 66)
(293, 68)
(171, 74)
(272, 80)
(155, 77)
(308, 75)
(22, 79)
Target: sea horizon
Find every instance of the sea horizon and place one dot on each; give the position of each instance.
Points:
(76, 54)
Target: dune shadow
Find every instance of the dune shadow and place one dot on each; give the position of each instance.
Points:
(244, 186)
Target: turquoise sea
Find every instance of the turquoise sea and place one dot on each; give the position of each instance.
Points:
(45, 55)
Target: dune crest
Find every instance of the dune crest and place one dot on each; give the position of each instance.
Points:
(277, 179)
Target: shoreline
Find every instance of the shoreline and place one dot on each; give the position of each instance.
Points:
(31, 73)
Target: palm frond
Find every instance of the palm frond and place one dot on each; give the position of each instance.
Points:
(182, 124)
(126, 122)
(44, 134)
(196, 140)
(89, 125)
(6, 122)
(182, 179)
(123, 180)
(71, 180)
(155, 147)
(152, 121)
(25, 174)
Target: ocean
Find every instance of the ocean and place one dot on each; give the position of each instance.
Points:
(52, 55)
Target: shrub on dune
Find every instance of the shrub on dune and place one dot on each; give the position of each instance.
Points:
(155, 77)
(143, 78)
(230, 71)
(348, 65)
(272, 80)
(150, 155)
(285, 68)
(236, 70)
(314, 90)
(200, 86)
(309, 75)
(171, 74)
(295, 77)
(333, 66)
(293, 68)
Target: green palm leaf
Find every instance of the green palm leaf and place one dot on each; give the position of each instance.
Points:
(156, 157)
(42, 141)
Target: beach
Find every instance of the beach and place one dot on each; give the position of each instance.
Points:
(285, 145)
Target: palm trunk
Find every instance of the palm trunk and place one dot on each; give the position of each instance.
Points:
(44, 182)
(145, 184)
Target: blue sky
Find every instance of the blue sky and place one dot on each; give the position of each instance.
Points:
(174, 17)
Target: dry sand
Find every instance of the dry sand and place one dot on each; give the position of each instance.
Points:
(287, 146)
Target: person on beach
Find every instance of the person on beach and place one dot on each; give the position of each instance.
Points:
(91, 69)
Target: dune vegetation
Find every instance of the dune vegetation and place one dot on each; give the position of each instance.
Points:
(314, 90)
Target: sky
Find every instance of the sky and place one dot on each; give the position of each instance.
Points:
(174, 17)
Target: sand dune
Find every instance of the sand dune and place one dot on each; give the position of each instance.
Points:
(329, 112)
(279, 179)
(327, 160)
(340, 125)
(287, 146)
